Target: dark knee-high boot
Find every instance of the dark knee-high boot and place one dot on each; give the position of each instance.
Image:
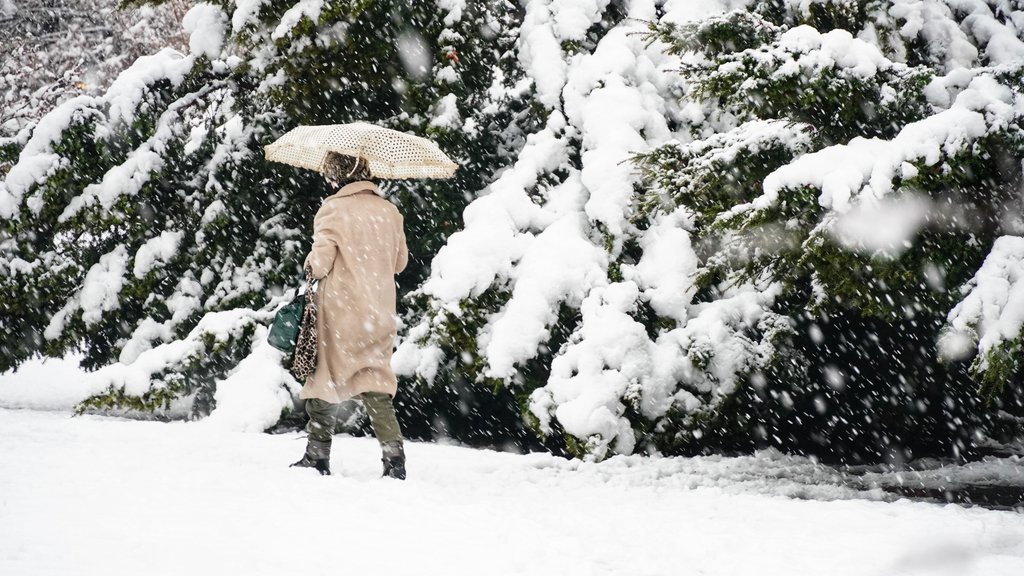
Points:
(320, 428)
(393, 459)
(317, 456)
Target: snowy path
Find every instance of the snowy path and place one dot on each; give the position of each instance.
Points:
(106, 496)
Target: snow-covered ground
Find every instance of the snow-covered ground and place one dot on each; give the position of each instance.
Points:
(92, 495)
(46, 384)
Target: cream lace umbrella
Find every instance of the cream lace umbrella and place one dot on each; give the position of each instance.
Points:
(389, 154)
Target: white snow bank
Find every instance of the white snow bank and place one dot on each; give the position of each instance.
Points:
(251, 398)
(46, 384)
(146, 488)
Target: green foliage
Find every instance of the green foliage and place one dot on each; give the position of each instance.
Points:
(823, 15)
(839, 105)
(999, 367)
(720, 34)
(9, 150)
(714, 174)
(841, 309)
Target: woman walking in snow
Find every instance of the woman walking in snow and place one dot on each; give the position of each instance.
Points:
(358, 248)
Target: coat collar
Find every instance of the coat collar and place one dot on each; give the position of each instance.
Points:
(355, 188)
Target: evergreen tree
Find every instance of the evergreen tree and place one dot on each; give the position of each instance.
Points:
(904, 181)
(782, 263)
(143, 228)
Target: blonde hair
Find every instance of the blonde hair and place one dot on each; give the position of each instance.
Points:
(341, 169)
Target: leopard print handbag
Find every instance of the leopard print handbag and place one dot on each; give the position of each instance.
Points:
(304, 359)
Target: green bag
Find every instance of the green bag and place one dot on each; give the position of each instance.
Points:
(284, 332)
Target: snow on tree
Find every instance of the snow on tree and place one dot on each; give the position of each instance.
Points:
(59, 49)
(989, 320)
(747, 222)
(142, 226)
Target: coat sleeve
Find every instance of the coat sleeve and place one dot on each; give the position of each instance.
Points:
(326, 240)
(402, 258)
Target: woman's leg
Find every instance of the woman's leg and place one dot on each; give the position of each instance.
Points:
(381, 410)
(322, 415)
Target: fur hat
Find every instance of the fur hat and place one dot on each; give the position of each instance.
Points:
(341, 169)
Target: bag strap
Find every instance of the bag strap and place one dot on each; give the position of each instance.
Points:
(310, 281)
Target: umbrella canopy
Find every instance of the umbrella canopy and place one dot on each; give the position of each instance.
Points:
(389, 154)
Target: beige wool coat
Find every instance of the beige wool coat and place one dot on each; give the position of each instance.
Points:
(358, 247)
